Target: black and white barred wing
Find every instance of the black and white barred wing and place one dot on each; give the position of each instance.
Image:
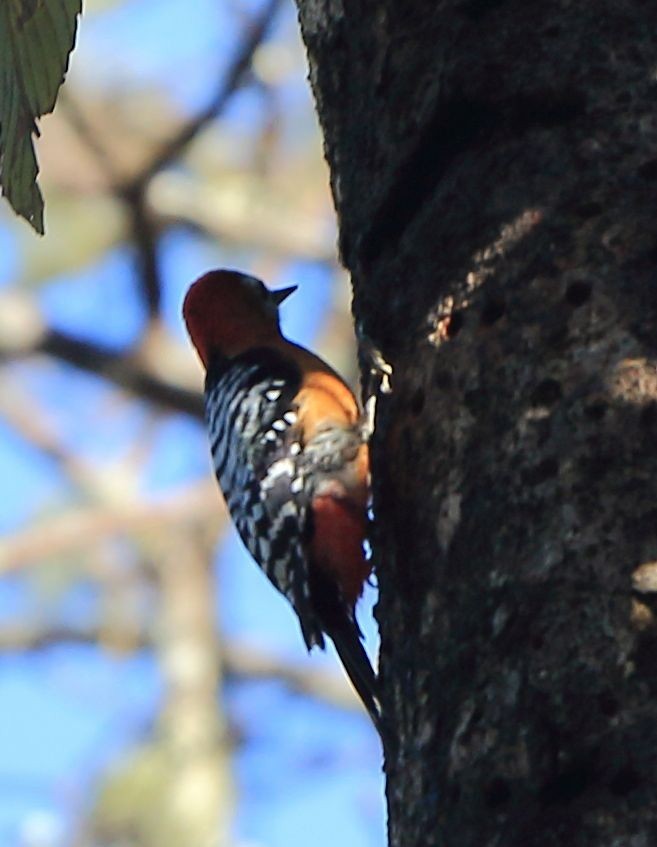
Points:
(255, 451)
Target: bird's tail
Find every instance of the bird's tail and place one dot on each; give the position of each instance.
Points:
(359, 670)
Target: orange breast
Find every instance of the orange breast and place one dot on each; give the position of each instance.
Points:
(323, 396)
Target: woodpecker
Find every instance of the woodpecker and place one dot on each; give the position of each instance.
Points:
(290, 455)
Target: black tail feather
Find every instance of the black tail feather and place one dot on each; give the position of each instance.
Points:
(359, 670)
(338, 621)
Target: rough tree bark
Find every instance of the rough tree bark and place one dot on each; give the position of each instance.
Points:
(494, 169)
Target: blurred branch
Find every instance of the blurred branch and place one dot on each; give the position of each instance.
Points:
(253, 35)
(84, 527)
(35, 426)
(192, 727)
(92, 139)
(122, 370)
(328, 686)
(145, 233)
(119, 369)
(26, 638)
(223, 215)
(240, 660)
(24, 333)
(197, 503)
(144, 229)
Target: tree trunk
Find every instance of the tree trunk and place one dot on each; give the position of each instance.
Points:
(494, 169)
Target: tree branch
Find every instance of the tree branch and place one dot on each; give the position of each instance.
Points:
(64, 534)
(239, 659)
(120, 370)
(171, 149)
(24, 333)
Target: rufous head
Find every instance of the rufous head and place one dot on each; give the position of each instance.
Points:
(229, 312)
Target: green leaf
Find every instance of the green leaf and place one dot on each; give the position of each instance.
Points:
(36, 39)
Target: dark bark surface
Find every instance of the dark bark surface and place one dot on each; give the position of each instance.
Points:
(494, 168)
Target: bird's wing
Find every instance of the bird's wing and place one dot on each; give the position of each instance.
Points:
(256, 446)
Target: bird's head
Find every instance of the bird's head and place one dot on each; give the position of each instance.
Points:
(230, 312)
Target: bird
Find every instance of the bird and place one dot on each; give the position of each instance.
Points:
(290, 454)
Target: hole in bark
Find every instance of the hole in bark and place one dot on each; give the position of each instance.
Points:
(569, 784)
(417, 402)
(651, 255)
(443, 380)
(644, 661)
(406, 439)
(547, 392)
(588, 210)
(624, 782)
(596, 411)
(608, 704)
(429, 441)
(497, 792)
(558, 336)
(455, 324)
(454, 792)
(476, 9)
(578, 293)
(492, 311)
(477, 715)
(648, 416)
(648, 170)
(545, 107)
(596, 466)
(545, 470)
(537, 642)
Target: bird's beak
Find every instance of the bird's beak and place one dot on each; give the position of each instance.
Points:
(282, 294)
